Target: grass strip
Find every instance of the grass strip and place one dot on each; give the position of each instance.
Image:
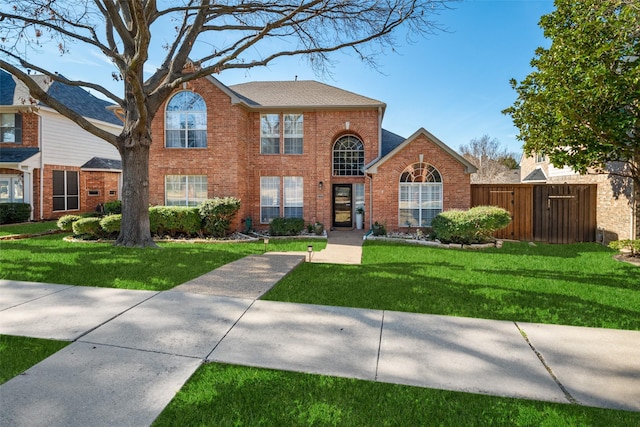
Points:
(17, 354)
(28, 228)
(576, 284)
(50, 259)
(228, 395)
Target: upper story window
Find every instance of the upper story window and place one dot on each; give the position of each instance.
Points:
(540, 158)
(292, 135)
(11, 128)
(348, 156)
(270, 134)
(186, 121)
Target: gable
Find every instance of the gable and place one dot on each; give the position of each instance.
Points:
(373, 167)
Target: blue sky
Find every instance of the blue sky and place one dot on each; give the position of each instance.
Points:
(455, 84)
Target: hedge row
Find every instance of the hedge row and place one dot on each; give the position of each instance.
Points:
(12, 213)
(476, 225)
(212, 218)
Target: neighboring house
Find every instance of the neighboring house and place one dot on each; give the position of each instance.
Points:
(300, 149)
(617, 214)
(47, 160)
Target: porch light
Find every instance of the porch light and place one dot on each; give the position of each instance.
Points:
(266, 242)
(310, 251)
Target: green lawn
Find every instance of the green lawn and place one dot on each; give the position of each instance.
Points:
(17, 354)
(226, 395)
(565, 284)
(28, 228)
(53, 260)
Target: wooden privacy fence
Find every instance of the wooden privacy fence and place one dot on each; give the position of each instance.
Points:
(554, 213)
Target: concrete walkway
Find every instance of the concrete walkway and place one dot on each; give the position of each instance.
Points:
(132, 351)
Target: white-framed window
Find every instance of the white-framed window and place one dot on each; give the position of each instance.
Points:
(540, 158)
(270, 134)
(292, 137)
(186, 121)
(290, 196)
(66, 195)
(269, 198)
(185, 190)
(348, 156)
(420, 195)
(11, 128)
(293, 197)
(293, 133)
(11, 189)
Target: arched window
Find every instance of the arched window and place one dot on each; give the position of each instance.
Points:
(348, 156)
(186, 121)
(420, 196)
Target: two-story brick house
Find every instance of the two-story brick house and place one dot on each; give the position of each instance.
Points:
(47, 160)
(300, 149)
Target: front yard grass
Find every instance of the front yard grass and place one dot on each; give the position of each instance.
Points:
(28, 228)
(576, 284)
(227, 395)
(17, 354)
(50, 259)
(568, 284)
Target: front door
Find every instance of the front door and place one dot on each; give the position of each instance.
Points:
(342, 201)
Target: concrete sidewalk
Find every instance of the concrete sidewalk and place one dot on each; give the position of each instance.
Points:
(133, 350)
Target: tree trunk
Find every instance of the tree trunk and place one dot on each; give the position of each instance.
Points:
(134, 228)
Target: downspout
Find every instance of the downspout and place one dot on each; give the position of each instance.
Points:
(370, 200)
(41, 167)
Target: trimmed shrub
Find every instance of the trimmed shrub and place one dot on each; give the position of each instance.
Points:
(89, 227)
(111, 223)
(378, 229)
(113, 207)
(217, 213)
(65, 222)
(633, 246)
(12, 213)
(175, 220)
(286, 226)
(476, 225)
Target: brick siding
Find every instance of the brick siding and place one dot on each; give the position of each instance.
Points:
(456, 184)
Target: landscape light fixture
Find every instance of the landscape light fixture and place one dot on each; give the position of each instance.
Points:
(310, 250)
(266, 242)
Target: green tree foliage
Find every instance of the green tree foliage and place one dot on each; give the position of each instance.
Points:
(581, 104)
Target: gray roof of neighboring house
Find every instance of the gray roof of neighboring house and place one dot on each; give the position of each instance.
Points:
(299, 93)
(537, 175)
(16, 155)
(14, 92)
(102, 163)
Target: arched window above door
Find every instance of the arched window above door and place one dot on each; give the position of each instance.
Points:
(348, 156)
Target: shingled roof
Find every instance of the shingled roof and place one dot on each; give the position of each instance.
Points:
(300, 93)
(14, 92)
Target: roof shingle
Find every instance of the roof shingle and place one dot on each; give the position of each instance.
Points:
(300, 93)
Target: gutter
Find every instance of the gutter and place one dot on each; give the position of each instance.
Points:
(41, 167)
